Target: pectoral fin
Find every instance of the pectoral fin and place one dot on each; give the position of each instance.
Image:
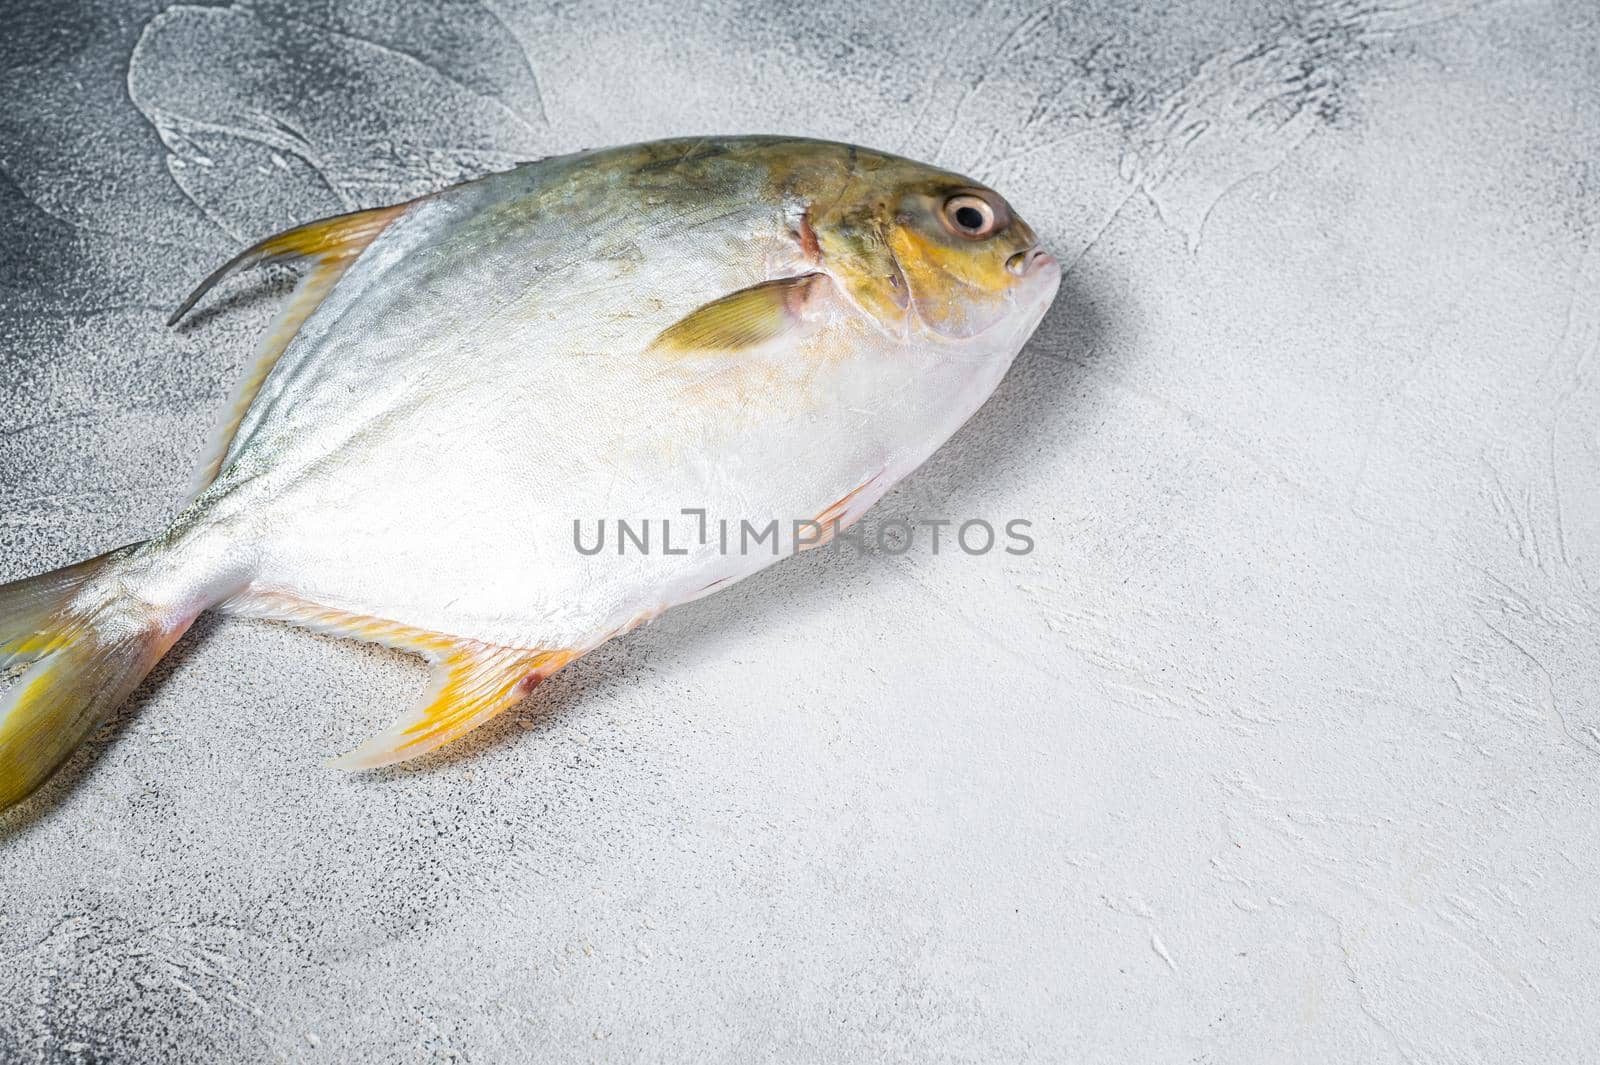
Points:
(741, 319)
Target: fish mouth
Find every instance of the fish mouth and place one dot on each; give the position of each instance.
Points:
(1026, 262)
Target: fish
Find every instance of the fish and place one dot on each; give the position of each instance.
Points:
(739, 328)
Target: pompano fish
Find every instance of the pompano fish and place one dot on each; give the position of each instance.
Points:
(747, 328)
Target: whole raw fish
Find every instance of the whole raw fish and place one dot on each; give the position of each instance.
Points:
(754, 328)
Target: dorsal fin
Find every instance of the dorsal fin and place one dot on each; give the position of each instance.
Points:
(334, 243)
(307, 296)
(472, 681)
(330, 240)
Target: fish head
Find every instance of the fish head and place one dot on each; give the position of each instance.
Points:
(920, 249)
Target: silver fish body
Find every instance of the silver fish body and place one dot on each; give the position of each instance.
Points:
(694, 335)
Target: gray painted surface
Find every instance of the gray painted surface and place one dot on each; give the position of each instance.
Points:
(1282, 746)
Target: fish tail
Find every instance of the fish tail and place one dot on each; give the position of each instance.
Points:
(84, 643)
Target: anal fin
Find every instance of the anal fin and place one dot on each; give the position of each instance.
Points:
(472, 681)
(471, 684)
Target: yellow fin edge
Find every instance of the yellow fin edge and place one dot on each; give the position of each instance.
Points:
(331, 240)
(472, 681)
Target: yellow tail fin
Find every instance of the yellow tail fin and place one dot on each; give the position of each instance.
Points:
(84, 651)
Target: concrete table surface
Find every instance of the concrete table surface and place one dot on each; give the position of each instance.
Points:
(1281, 746)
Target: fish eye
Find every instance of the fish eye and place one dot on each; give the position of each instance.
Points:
(971, 216)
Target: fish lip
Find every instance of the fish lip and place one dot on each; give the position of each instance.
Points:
(1026, 262)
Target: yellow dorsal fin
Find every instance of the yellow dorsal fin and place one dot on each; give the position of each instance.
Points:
(307, 296)
(334, 243)
(336, 240)
(472, 681)
(741, 319)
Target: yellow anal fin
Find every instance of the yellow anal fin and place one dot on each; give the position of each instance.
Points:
(741, 319)
(472, 681)
(336, 240)
(470, 685)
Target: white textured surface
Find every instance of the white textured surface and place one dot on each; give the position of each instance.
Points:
(1282, 746)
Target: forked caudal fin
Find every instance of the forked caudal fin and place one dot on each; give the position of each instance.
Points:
(85, 646)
